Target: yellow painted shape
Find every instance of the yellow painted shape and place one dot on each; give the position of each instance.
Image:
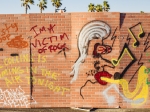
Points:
(141, 83)
(1, 66)
(64, 90)
(133, 37)
(125, 50)
(143, 94)
(141, 31)
(110, 80)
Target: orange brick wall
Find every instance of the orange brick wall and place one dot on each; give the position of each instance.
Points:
(128, 20)
(38, 52)
(13, 68)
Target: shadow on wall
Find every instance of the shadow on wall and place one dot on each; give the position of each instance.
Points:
(122, 17)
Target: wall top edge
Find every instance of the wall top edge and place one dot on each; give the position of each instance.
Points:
(80, 13)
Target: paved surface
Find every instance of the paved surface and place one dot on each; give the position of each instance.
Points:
(73, 110)
(43, 110)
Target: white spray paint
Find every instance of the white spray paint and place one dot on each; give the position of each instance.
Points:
(94, 29)
(111, 99)
(14, 98)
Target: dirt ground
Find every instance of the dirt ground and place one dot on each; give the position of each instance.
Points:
(73, 110)
(45, 110)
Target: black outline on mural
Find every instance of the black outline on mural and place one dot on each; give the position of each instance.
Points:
(84, 86)
(114, 37)
(94, 38)
(146, 43)
(107, 29)
(140, 35)
(139, 63)
(130, 64)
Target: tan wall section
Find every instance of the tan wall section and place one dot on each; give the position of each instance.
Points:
(14, 69)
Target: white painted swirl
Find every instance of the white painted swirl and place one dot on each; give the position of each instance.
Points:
(92, 30)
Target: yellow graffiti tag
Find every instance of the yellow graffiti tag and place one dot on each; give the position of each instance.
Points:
(125, 50)
(49, 84)
(141, 83)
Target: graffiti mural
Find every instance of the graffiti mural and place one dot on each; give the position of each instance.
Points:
(116, 62)
(15, 72)
(141, 83)
(99, 50)
(111, 99)
(140, 35)
(146, 43)
(103, 77)
(15, 98)
(138, 96)
(93, 30)
(5, 32)
(48, 42)
(17, 42)
(50, 29)
(75, 60)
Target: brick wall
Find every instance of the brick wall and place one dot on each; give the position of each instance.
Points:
(74, 60)
(134, 22)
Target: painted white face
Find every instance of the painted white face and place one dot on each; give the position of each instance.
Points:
(97, 29)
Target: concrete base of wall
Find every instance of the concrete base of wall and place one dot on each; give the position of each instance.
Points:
(73, 110)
